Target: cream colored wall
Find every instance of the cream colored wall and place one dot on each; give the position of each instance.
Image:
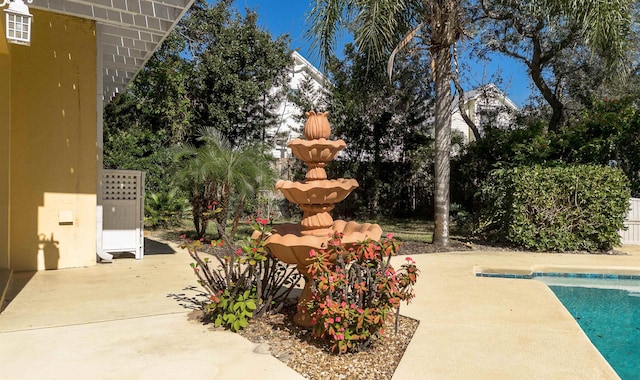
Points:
(5, 123)
(458, 123)
(53, 145)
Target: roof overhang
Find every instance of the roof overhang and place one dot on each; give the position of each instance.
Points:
(300, 63)
(128, 32)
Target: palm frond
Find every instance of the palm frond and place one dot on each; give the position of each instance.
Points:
(401, 45)
(326, 18)
(376, 26)
(604, 25)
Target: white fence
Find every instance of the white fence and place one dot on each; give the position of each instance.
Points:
(122, 212)
(632, 223)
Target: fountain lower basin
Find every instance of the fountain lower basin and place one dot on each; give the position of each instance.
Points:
(291, 244)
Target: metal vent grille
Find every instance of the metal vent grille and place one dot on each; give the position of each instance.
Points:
(116, 186)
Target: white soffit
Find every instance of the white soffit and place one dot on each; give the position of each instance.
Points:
(130, 31)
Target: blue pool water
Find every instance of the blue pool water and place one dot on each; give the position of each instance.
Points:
(609, 313)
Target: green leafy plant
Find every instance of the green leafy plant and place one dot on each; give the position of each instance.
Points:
(355, 288)
(242, 281)
(164, 210)
(232, 312)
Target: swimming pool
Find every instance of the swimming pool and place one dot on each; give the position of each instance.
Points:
(609, 313)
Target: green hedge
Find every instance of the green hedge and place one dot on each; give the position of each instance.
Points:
(567, 208)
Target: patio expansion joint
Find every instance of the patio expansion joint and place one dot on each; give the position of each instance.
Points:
(90, 322)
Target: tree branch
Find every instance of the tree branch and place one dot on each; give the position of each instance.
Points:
(456, 82)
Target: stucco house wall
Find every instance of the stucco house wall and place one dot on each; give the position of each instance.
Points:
(52, 135)
(82, 54)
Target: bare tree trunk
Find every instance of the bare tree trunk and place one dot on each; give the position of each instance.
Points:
(442, 57)
(461, 106)
(557, 107)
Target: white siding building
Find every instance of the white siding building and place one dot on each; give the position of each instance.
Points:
(290, 125)
(484, 105)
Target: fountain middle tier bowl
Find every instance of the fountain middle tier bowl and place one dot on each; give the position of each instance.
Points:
(289, 243)
(320, 192)
(320, 150)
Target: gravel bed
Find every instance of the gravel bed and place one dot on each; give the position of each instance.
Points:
(276, 334)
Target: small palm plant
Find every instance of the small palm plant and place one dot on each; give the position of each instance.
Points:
(219, 177)
(165, 210)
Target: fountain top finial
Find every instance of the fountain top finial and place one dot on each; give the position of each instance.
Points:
(317, 125)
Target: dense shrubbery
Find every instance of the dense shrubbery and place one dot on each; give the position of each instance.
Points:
(165, 209)
(386, 189)
(579, 207)
(498, 149)
(607, 134)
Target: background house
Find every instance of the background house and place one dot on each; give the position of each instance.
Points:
(304, 76)
(53, 92)
(484, 105)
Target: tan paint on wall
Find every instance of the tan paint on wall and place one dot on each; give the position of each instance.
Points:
(5, 144)
(53, 145)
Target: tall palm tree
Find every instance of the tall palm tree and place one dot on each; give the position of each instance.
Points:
(220, 178)
(384, 27)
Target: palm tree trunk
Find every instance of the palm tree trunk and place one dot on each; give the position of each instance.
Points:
(443, 59)
(196, 213)
(236, 218)
(225, 202)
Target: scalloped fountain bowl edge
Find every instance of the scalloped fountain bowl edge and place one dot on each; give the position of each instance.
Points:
(289, 244)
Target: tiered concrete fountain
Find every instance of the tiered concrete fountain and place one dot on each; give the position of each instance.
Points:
(316, 197)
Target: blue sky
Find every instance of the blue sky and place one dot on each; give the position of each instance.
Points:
(289, 17)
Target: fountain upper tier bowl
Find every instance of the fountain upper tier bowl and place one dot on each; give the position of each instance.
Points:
(320, 150)
(320, 192)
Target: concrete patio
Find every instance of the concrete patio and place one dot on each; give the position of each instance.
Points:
(124, 321)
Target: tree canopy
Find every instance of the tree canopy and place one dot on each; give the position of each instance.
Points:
(216, 69)
(555, 38)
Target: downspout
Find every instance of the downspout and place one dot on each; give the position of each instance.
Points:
(102, 256)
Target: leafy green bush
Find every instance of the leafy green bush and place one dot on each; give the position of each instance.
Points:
(566, 208)
(497, 149)
(241, 281)
(163, 210)
(607, 133)
(354, 290)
